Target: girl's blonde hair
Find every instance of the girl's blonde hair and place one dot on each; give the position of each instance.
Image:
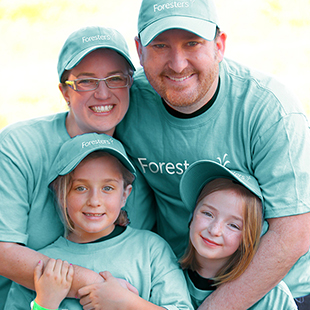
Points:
(62, 185)
(252, 226)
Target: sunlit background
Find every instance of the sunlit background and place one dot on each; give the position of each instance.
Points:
(270, 35)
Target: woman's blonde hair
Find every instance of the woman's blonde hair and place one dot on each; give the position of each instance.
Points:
(62, 185)
(252, 226)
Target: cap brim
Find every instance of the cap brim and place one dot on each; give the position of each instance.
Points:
(71, 154)
(200, 27)
(202, 172)
(75, 161)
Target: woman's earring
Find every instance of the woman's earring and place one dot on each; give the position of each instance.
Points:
(68, 103)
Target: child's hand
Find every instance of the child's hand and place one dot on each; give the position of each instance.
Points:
(53, 283)
(122, 282)
(111, 294)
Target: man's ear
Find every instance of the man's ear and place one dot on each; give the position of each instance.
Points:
(139, 48)
(220, 43)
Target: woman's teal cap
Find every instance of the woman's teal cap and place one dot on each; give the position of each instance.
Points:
(85, 40)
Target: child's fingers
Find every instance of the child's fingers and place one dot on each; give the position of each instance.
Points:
(60, 267)
(70, 273)
(49, 268)
(56, 268)
(83, 292)
(64, 269)
(38, 270)
(106, 275)
(132, 289)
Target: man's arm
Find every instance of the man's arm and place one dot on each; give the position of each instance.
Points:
(18, 263)
(285, 242)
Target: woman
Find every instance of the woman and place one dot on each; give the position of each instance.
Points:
(95, 72)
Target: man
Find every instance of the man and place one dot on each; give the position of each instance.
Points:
(203, 106)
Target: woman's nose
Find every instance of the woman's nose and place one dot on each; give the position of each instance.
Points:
(102, 92)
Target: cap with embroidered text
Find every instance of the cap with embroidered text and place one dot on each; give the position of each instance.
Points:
(85, 40)
(197, 175)
(157, 16)
(76, 149)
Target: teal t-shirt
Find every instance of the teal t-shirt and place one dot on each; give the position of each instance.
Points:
(27, 212)
(279, 298)
(141, 257)
(255, 125)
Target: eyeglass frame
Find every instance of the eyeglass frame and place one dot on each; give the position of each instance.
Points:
(72, 83)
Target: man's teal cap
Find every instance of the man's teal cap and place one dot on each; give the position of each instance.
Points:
(197, 175)
(85, 40)
(76, 149)
(157, 16)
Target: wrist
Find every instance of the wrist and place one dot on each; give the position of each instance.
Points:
(35, 306)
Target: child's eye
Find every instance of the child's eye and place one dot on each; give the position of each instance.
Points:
(107, 188)
(234, 226)
(207, 213)
(80, 188)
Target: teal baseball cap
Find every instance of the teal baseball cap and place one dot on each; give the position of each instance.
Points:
(197, 175)
(85, 40)
(197, 16)
(76, 149)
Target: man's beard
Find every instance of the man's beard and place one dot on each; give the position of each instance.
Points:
(179, 96)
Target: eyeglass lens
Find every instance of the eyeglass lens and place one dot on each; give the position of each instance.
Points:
(111, 82)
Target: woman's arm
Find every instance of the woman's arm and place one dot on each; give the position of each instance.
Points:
(18, 263)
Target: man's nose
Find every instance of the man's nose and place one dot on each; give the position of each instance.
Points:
(178, 60)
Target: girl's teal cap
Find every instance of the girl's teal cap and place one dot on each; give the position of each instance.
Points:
(197, 175)
(197, 16)
(85, 40)
(76, 149)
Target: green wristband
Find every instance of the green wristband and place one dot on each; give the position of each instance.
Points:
(35, 306)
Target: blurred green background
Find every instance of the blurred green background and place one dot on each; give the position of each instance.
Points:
(270, 35)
